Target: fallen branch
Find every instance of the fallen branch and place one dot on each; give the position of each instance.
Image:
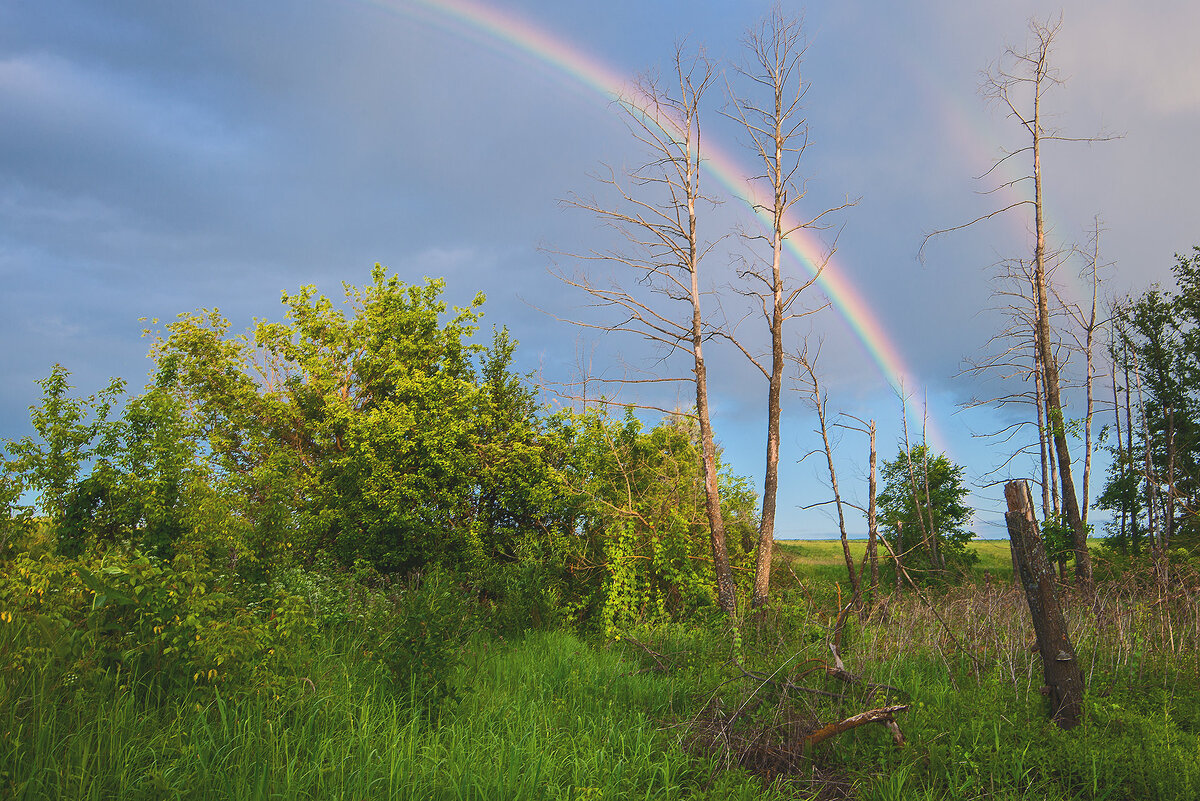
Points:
(882, 715)
(839, 672)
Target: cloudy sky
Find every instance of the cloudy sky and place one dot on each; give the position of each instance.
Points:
(161, 157)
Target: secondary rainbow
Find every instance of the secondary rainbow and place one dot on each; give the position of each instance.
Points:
(568, 61)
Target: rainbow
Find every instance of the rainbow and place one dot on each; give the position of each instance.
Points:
(526, 40)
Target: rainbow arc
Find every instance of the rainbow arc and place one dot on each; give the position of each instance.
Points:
(510, 33)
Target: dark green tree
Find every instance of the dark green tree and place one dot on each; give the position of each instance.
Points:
(922, 509)
(1154, 481)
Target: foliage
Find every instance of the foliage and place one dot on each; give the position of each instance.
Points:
(640, 548)
(1154, 478)
(370, 432)
(381, 434)
(922, 510)
(1058, 539)
(426, 630)
(175, 624)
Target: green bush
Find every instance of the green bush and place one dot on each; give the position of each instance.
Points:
(173, 624)
(424, 634)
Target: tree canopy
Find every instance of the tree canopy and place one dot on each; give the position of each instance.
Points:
(922, 509)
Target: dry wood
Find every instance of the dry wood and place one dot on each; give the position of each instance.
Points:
(1064, 679)
(778, 136)
(882, 715)
(659, 297)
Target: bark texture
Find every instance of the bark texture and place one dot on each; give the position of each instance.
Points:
(1064, 679)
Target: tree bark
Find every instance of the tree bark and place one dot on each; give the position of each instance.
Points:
(873, 520)
(1064, 679)
(819, 405)
(726, 593)
(726, 597)
(1070, 500)
(778, 136)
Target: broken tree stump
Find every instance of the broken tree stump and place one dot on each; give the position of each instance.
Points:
(1064, 678)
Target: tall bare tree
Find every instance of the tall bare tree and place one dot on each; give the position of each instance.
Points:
(1087, 325)
(778, 136)
(812, 387)
(1017, 83)
(658, 292)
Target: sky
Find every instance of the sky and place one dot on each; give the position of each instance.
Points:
(156, 158)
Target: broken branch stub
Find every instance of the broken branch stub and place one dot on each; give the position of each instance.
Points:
(1064, 679)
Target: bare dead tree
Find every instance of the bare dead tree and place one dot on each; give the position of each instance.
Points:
(812, 388)
(1017, 74)
(657, 289)
(871, 557)
(778, 136)
(1087, 325)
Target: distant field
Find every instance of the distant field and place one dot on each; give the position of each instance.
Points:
(823, 558)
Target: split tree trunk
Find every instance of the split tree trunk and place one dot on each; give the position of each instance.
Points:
(1064, 679)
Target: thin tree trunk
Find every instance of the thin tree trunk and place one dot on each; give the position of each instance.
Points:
(873, 520)
(766, 526)
(1169, 527)
(939, 557)
(1043, 433)
(819, 403)
(1083, 560)
(1087, 419)
(1135, 538)
(726, 594)
(1121, 464)
(1151, 484)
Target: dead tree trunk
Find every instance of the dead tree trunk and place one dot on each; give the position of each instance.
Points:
(663, 257)
(873, 522)
(818, 402)
(778, 136)
(1064, 679)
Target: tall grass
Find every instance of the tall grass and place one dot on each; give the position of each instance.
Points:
(548, 717)
(553, 715)
(979, 726)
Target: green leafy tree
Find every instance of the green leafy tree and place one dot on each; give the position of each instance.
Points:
(922, 509)
(70, 433)
(1154, 480)
(377, 430)
(637, 505)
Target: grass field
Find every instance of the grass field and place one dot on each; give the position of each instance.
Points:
(824, 558)
(666, 710)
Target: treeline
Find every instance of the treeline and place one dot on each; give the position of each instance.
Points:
(1153, 483)
(369, 472)
(381, 435)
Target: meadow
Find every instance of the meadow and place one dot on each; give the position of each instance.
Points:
(671, 711)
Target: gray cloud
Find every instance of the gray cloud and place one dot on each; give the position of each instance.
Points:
(158, 157)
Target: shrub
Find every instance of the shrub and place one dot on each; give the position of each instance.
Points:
(171, 624)
(421, 644)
